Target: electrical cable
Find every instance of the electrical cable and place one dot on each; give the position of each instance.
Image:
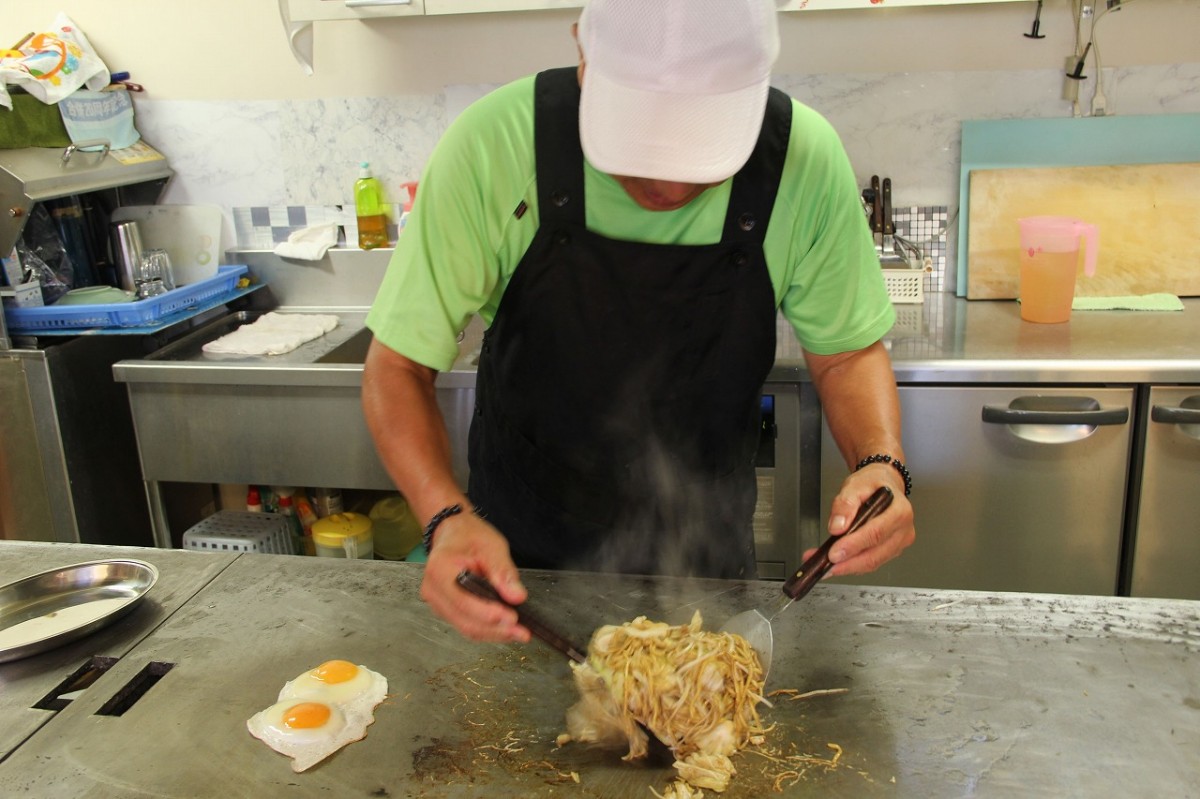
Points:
(1099, 100)
(1074, 74)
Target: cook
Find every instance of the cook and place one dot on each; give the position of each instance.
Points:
(629, 231)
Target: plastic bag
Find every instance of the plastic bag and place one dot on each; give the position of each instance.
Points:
(53, 64)
(41, 250)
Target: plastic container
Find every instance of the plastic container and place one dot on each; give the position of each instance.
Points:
(370, 210)
(411, 188)
(344, 535)
(241, 531)
(395, 528)
(327, 501)
(1049, 261)
(125, 314)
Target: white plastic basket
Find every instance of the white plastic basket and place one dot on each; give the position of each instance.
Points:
(241, 531)
(905, 285)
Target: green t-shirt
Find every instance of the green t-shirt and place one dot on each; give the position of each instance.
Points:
(463, 239)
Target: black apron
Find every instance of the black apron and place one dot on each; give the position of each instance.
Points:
(618, 394)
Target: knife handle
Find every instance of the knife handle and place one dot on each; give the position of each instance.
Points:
(887, 223)
(876, 206)
(481, 588)
(816, 567)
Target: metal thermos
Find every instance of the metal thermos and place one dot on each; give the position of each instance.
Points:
(127, 253)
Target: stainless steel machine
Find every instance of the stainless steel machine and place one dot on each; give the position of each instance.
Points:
(68, 464)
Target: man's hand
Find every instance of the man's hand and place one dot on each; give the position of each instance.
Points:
(465, 541)
(880, 539)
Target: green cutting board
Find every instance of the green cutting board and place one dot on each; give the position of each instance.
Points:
(1069, 141)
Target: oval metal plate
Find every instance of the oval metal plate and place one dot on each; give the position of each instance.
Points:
(54, 607)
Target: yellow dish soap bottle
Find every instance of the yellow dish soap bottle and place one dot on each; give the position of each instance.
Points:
(370, 210)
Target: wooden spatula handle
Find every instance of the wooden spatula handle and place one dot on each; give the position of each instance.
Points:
(485, 590)
(813, 569)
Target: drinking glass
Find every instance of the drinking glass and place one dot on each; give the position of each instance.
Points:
(156, 266)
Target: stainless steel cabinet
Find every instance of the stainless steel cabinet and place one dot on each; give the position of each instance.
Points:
(1014, 489)
(784, 518)
(1166, 538)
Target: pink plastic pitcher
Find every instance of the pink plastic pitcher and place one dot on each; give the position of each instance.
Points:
(1049, 259)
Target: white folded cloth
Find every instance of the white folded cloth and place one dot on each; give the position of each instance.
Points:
(273, 334)
(310, 243)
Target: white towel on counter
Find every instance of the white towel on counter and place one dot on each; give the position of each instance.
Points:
(310, 243)
(273, 334)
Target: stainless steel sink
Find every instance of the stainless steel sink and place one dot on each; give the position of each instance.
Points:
(352, 350)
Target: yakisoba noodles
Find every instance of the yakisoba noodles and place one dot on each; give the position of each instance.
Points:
(696, 691)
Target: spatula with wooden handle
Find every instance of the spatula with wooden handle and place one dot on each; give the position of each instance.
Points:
(755, 625)
(658, 752)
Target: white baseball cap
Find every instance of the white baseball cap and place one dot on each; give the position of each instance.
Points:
(675, 89)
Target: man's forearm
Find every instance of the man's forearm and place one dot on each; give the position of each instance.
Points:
(400, 405)
(859, 402)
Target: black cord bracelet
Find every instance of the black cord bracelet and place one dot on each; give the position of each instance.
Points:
(438, 518)
(900, 467)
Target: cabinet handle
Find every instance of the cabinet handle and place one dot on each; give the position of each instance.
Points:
(998, 414)
(369, 3)
(1169, 415)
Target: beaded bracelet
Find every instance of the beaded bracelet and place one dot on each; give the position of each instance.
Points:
(900, 467)
(438, 518)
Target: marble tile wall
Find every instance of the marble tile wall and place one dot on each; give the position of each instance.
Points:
(904, 125)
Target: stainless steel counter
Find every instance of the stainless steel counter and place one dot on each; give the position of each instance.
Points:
(24, 682)
(296, 419)
(943, 340)
(947, 339)
(947, 693)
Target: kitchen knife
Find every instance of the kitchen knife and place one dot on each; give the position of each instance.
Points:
(877, 213)
(887, 225)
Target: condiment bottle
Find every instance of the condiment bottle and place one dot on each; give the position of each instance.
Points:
(253, 500)
(287, 508)
(304, 511)
(327, 501)
(370, 210)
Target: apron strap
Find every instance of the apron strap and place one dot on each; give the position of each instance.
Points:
(559, 152)
(752, 195)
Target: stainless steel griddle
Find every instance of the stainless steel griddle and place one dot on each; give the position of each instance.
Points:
(947, 693)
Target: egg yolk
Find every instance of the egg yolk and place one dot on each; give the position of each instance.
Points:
(306, 716)
(335, 671)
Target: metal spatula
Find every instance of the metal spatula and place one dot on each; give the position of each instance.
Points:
(755, 625)
(659, 753)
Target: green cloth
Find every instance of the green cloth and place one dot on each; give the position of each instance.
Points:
(31, 123)
(1134, 302)
(463, 240)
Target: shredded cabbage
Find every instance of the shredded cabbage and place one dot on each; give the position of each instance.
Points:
(696, 691)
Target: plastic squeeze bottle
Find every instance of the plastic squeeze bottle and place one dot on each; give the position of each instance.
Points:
(370, 210)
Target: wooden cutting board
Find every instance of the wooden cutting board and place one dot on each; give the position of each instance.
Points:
(1145, 213)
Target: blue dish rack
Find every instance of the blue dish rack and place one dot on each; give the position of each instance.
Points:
(139, 313)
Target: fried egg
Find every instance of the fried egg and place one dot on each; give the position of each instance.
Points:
(337, 681)
(319, 712)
